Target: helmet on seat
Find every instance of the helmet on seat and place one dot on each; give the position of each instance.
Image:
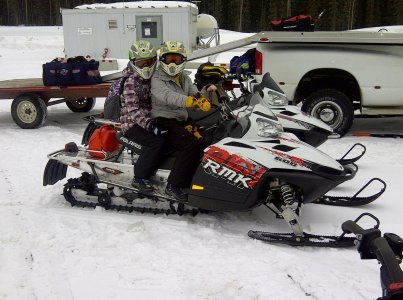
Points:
(143, 58)
(172, 57)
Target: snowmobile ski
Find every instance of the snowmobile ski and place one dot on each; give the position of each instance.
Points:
(354, 200)
(305, 240)
(346, 161)
(379, 135)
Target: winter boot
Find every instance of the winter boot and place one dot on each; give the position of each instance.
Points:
(177, 192)
(142, 184)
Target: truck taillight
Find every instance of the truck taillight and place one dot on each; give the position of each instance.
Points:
(258, 62)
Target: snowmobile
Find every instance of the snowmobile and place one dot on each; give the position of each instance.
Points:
(250, 162)
(307, 128)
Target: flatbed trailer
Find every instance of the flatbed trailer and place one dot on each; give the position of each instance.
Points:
(31, 99)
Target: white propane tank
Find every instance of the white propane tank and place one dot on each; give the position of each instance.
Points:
(206, 25)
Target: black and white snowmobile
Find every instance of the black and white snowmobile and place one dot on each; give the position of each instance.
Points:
(251, 162)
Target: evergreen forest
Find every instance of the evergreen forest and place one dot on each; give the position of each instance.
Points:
(238, 15)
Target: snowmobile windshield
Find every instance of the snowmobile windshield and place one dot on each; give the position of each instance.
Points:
(268, 82)
(243, 125)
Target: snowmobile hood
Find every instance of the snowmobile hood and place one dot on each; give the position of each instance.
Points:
(282, 152)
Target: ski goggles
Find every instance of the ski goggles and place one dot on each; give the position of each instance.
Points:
(173, 58)
(143, 63)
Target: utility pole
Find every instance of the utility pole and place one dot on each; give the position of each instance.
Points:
(240, 16)
(350, 26)
(26, 12)
(50, 12)
(288, 8)
(8, 13)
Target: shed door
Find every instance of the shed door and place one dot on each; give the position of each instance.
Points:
(150, 29)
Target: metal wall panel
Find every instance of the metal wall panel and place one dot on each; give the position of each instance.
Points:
(90, 31)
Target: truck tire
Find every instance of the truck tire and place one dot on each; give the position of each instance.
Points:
(332, 107)
(29, 111)
(81, 105)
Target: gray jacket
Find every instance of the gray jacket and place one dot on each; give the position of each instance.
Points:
(167, 98)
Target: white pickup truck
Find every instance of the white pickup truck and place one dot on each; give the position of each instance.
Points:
(332, 73)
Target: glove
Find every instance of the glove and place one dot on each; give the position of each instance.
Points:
(156, 130)
(193, 129)
(199, 102)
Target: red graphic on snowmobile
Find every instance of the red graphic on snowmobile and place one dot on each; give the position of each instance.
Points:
(237, 170)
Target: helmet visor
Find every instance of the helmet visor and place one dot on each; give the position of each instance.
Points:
(142, 63)
(173, 58)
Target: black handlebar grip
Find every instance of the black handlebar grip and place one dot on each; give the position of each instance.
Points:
(352, 227)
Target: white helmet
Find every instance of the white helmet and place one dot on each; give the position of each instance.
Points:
(143, 58)
(172, 57)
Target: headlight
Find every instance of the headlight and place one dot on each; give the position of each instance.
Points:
(275, 99)
(268, 128)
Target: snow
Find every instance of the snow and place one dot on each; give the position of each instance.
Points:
(50, 250)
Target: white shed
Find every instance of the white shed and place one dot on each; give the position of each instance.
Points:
(108, 30)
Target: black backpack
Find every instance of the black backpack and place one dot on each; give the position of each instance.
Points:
(208, 73)
(113, 101)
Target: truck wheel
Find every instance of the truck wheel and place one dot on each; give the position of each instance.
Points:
(29, 111)
(81, 105)
(332, 107)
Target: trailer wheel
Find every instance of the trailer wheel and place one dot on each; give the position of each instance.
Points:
(332, 107)
(29, 111)
(81, 105)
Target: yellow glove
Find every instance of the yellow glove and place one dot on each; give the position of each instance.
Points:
(200, 102)
(193, 130)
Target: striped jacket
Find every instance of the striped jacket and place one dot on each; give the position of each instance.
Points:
(136, 102)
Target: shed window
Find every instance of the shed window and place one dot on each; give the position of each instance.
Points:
(148, 29)
(113, 24)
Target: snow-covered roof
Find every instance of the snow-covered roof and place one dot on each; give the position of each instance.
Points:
(138, 4)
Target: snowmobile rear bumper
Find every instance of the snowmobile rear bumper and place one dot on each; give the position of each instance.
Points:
(54, 171)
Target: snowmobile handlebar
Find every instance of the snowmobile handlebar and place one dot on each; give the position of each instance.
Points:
(387, 250)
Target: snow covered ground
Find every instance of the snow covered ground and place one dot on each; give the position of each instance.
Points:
(49, 250)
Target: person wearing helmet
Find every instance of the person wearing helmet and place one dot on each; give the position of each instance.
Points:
(135, 113)
(172, 92)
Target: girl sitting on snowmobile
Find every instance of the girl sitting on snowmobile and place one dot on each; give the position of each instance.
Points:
(135, 113)
(172, 91)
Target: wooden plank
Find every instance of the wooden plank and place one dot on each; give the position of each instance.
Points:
(10, 89)
(20, 83)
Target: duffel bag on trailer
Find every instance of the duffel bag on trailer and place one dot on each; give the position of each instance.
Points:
(84, 71)
(71, 71)
(57, 73)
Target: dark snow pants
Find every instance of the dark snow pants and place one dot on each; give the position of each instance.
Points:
(148, 161)
(188, 151)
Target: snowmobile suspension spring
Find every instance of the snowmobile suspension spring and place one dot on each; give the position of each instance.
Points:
(288, 194)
